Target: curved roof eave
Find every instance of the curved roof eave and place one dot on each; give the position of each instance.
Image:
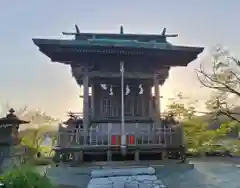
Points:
(53, 48)
(50, 43)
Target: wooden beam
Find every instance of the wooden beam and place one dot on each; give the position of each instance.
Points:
(130, 75)
(95, 76)
(116, 81)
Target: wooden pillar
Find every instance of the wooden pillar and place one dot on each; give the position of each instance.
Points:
(85, 106)
(157, 96)
(143, 100)
(136, 155)
(109, 155)
(93, 101)
(150, 107)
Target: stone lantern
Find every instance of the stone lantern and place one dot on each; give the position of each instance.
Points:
(9, 126)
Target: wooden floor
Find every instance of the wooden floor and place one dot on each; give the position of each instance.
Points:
(142, 147)
(127, 164)
(124, 164)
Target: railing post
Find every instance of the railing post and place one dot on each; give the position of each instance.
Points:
(97, 134)
(59, 134)
(77, 135)
(171, 135)
(164, 153)
(90, 135)
(137, 135)
(109, 130)
(182, 134)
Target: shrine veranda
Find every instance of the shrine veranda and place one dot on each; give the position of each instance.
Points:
(121, 117)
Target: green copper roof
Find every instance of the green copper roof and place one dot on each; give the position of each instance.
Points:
(94, 44)
(127, 43)
(102, 44)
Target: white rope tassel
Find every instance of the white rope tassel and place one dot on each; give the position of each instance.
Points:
(141, 89)
(127, 90)
(111, 91)
(104, 86)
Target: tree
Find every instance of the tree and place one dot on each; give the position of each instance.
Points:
(198, 135)
(178, 109)
(34, 134)
(41, 126)
(34, 139)
(224, 79)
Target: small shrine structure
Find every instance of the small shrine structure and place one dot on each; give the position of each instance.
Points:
(121, 117)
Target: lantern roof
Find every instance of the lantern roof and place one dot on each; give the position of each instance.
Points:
(11, 119)
(73, 120)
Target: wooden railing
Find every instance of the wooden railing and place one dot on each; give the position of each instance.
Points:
(138, 136)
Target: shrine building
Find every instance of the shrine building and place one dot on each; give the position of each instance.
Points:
(121, 115)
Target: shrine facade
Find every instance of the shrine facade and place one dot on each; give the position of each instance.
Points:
(118, 73)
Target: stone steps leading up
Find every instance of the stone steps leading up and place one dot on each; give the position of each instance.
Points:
(82, 176)
(125, 178)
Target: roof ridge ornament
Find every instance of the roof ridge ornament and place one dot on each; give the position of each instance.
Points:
(77, 31)
(121, 30)
(164, 33)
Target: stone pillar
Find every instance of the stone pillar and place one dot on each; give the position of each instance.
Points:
(85, 107)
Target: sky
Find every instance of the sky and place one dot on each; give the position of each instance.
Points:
(27, 77)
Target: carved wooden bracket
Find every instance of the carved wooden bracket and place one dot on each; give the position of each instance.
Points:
(162, 73)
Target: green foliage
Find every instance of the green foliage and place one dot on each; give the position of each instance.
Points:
(43, 161)
(41, 127)
(180, 111)
(25, 177)
(234, 146)
(199, 137)
(35, 138)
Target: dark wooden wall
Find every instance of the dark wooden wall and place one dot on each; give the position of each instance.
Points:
(109, 106)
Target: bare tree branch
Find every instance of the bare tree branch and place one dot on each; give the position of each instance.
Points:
(224, 78)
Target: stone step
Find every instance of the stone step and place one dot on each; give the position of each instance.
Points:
(101, 173)
(128, 177)
(139, 181)
(82, 176)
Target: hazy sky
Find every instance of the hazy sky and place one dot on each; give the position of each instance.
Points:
(27, 77)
